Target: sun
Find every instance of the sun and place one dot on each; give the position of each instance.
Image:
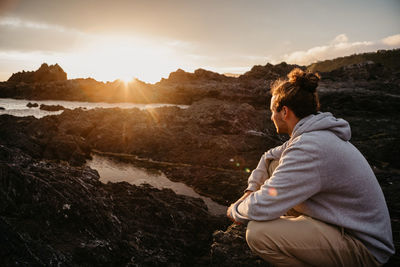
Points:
(119, 57)
(127, 79)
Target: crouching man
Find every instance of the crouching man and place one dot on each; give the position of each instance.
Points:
(313, 200)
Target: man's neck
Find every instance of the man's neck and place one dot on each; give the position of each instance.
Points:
(291, 124)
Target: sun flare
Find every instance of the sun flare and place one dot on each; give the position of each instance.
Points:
(110, 58)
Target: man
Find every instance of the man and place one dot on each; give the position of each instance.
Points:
(318, 175)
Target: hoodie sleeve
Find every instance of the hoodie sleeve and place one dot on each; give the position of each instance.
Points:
(276, 152)
(260, 174)
(296, 179)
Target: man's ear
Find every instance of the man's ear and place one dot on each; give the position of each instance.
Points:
(285, 112)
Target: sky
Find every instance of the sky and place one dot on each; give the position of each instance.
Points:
(148, 39)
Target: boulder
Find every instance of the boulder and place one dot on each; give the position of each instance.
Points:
(32, 105)
(51, 107)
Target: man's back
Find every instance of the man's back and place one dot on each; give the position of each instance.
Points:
(349, 194)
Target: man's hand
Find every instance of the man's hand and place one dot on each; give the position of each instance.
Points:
(229, 211)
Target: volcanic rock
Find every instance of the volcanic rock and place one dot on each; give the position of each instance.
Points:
(229, 248)
(32, 105)
(44, 74)
(51, 107)
(53, 214)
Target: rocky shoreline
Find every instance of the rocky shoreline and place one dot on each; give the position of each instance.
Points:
(54, 210)
(55, 214)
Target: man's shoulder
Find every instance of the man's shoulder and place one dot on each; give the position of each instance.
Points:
(319, 136)
(315, 141)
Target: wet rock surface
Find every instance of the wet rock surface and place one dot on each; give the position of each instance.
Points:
(57, 215)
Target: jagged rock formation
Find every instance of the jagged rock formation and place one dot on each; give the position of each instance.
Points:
(199, 75)
(44, 74)
(269, 71)
(185, 88)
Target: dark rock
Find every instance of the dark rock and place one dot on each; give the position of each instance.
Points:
(199, 75)
(32, 105)
(51, 107)
(186, 88)
(269, 71)
(229, 248)
(388, 58)
(44, 74)
(367, 70)
(40, 139)
(53, 214)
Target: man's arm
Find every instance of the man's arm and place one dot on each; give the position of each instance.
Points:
(260, 174)
(295, 180)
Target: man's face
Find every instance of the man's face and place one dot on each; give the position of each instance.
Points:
(277, 118)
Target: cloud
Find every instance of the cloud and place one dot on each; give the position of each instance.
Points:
(19, 23)
(338, 47)
(393, 40)
(341, 38)
(25, 35)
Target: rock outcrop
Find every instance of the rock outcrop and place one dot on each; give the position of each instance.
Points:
(44, 74)
(51, 107)
(32, 105)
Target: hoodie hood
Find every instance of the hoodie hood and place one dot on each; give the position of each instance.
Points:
(323, 121)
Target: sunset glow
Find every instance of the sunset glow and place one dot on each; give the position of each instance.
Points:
(107, 58)
(127, 39)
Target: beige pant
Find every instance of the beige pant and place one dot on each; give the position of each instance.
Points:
(304, 241)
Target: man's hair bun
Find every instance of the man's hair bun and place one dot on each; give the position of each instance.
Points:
(304, 80)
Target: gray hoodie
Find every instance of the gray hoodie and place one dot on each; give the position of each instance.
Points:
(322, 175)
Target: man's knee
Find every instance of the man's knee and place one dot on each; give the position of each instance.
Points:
(270, 235)
(257, 235)
(251, 234)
